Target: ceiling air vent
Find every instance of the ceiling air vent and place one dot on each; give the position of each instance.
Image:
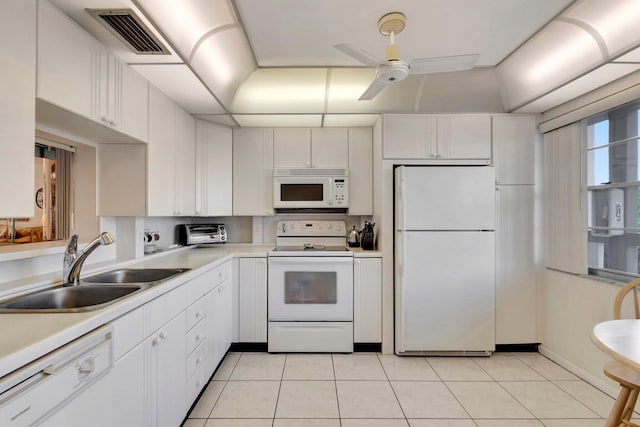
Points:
(129, 29)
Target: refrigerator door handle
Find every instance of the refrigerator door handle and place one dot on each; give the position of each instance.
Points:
(400, 219)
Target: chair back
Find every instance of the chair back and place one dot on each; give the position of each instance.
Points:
(631, 287)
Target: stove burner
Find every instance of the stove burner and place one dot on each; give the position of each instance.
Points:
(314, 247)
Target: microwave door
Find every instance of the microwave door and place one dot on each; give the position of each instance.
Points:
(301, 192)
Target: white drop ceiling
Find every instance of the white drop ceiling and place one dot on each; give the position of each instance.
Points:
(255, 62)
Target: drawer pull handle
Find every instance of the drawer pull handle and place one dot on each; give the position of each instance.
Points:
(156, 341)
(163, 335)
(198, 314)
(198, 337)
(198, 360)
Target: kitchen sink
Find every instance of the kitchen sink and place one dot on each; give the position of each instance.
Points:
(94, 292)
(130, 275)
(68, 299)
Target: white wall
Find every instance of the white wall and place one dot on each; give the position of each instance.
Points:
(570, 307)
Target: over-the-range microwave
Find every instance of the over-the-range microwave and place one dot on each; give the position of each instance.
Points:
(311, 189)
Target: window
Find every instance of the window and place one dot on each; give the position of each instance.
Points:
(613, 184)
(51, 197)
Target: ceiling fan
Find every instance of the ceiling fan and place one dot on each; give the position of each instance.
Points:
(392, 69)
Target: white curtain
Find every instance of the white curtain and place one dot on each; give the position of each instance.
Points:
(64, 194)
(565, 200)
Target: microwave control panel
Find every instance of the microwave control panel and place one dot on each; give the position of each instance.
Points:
(340, 191)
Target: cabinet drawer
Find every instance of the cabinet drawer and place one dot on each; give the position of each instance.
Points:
(196, 359)
(195, 313)
(195, 336)
(195, 385)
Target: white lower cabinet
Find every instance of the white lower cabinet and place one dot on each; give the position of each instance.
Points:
(165, 377)
(128, 388)
(252, 300)
(367, 300)
(218, 323)
(166, 351)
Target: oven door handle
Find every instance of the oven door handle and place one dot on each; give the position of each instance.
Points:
(316, 260)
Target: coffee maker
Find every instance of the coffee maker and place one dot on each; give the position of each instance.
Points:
(368, 237)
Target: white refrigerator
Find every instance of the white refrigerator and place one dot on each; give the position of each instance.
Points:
(444, 259)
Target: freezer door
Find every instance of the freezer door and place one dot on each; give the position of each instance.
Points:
(445, 198)
(445, 291)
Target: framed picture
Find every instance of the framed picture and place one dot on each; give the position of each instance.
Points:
(40, 198)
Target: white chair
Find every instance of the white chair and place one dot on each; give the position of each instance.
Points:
(628, 378)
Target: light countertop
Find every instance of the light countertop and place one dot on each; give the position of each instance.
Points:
(26, 337)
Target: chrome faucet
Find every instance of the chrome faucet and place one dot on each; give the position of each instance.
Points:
(73, 260)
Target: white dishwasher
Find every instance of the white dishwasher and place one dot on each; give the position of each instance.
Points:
(67, 387)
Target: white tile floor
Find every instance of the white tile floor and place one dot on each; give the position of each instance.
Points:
(374, 390)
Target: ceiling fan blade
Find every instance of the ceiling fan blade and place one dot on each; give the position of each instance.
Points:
(360, 54)
(374, 88)
(442, 64)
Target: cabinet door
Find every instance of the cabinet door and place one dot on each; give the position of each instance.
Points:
(464, 137)
(172, 375)
(252, 171)
(252, 297)
(292, 148)
(128, 388)
(65, 60)
(409, 136)
(134, 104)
(367, 300)
(185, 156)
(227, 316)
(515, 270)
(17, 107)
(161, 162)
(214, 174)
(514, 139)
(213, 338)
(106, 90)
(361, 171)
(330, 148)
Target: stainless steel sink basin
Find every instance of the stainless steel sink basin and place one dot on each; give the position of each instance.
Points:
(130, 275)
(68, 299)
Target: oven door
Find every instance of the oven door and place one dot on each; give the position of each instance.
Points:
(310, 288)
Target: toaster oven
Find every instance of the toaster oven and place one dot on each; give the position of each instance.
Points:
(200, 234)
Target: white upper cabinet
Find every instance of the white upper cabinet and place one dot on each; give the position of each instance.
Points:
(134, 108)
(292, 148)
(170, 158)
(310, 148)
(17, 107)
(437, 137)
(330, 148)
(214, 175)
(409, 136)
(185, 155)
(360, 171)
(80, 75)
(252, 171)
(514, 140)
(65, 61)
(464, 137)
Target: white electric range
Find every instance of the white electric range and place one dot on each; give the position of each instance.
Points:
(310, 288)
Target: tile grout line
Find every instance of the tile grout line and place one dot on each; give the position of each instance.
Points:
(335, 385)
(275, 410)
(224, 386)
(392, 389)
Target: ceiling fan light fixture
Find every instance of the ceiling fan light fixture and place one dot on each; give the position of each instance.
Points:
(393, 71)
